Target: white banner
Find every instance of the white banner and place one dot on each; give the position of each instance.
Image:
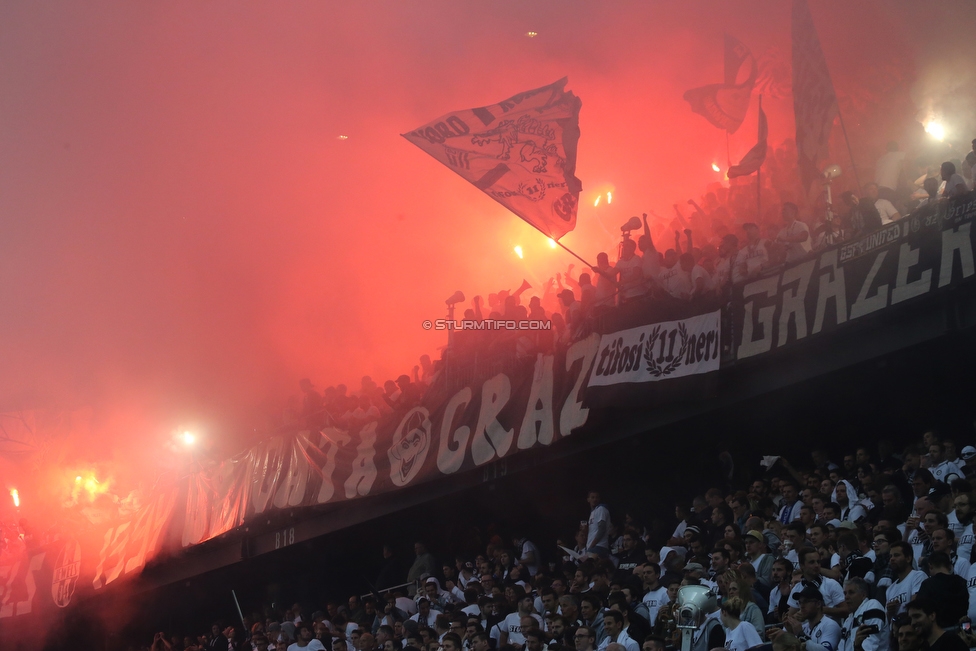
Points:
(659, 351)
(520, 152)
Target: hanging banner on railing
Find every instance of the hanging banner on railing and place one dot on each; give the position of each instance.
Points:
(659, 351)
(920, 254)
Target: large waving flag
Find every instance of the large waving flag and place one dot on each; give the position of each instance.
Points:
(520, 152)
(725, 105)
(756, 156)
(814, 100)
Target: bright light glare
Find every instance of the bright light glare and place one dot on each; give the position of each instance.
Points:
(343, 137)
(716, 168)
(189, 438)
(609, 197)
(518, 251)
(597, 202)
(552, 243)
(14, 494)
(532, 34)
(936, 130)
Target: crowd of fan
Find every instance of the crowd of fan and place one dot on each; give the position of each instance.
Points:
(869, 555)
(720, 243)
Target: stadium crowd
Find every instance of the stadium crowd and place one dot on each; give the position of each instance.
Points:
(721, 242)
(871, 554)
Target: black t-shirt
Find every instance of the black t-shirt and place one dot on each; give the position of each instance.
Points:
(949, 642)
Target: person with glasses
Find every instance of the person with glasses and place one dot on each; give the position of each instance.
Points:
(584, 639)
(881, 574)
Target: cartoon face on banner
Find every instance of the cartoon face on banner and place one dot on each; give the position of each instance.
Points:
(411, 440)
(67, 569)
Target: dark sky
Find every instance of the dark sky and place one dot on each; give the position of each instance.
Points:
(183, 236)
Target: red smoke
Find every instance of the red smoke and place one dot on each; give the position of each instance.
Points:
(186, 236)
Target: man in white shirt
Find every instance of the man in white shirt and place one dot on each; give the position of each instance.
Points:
(955, 184)
(305, 640)
(597, 527)
(795, 235)
(961, 522)
(656, 595)
(752, 258)
(941, 468)
(907, 581)
(885, 208)
(809, 564)
(790, 510)
(613, 626)
(888, 170)
(511, 627)
(631, 272)
(864, 612)
(816, 631)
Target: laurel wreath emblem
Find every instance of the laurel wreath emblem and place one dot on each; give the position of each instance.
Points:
(658, 370)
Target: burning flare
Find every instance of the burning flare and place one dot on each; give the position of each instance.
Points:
(518, 252)
(936, 130)
(716, 168)
(16, 496)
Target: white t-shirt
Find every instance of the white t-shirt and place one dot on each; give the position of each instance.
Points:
(904, 591)
(972, 592)
(679, 283)
(831, 590)
(887, 211)
(749, 261)
(313, 645)
(513, 624)
(796, 250)
(887, 169)
(631, 276)
(742, 637)
(964, 537)
(529, 546)
(598, 515)
(697, 272)
(826, 634)
(623, 639)
(654, 599)
(723, 272)
(942, 471)
(955, 180)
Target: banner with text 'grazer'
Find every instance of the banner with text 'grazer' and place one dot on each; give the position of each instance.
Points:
(521, 152)
(929, 250)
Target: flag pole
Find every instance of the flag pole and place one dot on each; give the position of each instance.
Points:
(850, 152)
(573, 253)
(759, 171)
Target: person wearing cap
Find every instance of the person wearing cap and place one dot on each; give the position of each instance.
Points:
(968, 457)
(809, 625)
(758, 556)
(696, 572)
(751, 259)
